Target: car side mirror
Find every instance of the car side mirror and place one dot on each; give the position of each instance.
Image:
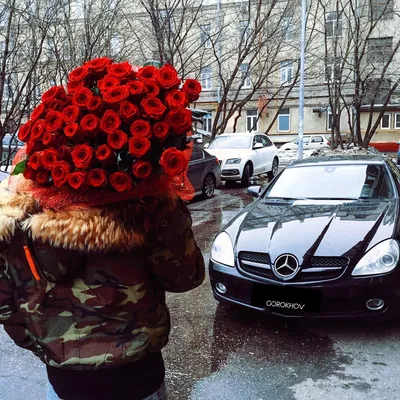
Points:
(207, 145)
(258, 146)
(254, 191)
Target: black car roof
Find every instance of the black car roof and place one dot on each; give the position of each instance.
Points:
(342, 159)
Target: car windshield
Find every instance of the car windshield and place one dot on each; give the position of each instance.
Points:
(332, 182)
(231, 142)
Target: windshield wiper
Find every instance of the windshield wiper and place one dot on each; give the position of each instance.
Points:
(285, 198)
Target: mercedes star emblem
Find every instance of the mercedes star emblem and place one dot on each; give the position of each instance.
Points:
(286, 267)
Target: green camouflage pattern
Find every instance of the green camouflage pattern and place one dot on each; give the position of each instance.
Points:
(110, 309)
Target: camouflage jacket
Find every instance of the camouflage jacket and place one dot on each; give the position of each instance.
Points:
(100, 300)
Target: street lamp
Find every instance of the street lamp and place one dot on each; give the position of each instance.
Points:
(301, 88)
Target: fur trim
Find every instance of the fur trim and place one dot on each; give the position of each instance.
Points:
(120, 227)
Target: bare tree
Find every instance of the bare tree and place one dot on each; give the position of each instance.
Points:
(361, 64)
(24, 27)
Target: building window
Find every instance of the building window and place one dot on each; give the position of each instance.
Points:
(385, 121)
(207, 122)
(379, 50)
(396, 121)
(333, 24)
(244, 31)
(205, 39)
(206, 78)
(286, 71)
(245, 76)
(332, 69)
(116, 44)
(380, 9)
(284, 120)
(251, 121)
(329, 120)
(287, 29)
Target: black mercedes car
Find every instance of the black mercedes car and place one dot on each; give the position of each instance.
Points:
(322, 240)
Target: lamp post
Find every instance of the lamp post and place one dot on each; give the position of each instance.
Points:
(301, 88)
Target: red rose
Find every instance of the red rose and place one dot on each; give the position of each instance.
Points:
(74, 86)
(173, 161)
(53, 121)
(139, 146)
(152, 107)
(105, 155)
(42, 177)
(37, 130)
(176, 98)
(61, 96)
(180, 120)
(35, 160)
(29, 173)
(136, 88)
(120, 70)
(49, 158)
(161, 130)
(64, 153)
(24, 131)
(49, 95)
(167, 77)
(82, 156)
(110, 121)
(38, 112)
(60, 172)
(82, 97)
(192, 88)
(32, 146)
(117, 140)
(78, 74)
(97, 177)
(142, 169)
(78, 180)
(98, 64)
(121, 181)
(116, 94)
(147, 74)
(72, 131)
(70, 114)
(107, 83)
(90, 125)
(95, 103)
(128, 111)
(141, 128)
(53, 139)
(152, 89)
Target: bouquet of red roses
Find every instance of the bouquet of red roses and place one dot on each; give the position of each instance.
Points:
(114, 127)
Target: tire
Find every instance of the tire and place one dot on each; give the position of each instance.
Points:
(208, 186)
(245, 181)
(275, 167)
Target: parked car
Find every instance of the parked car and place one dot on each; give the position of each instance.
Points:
(243, 155)
(321, 247)
(310, 142)
(204, 172)
(11, 145)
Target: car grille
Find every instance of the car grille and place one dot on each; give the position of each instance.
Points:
(320, 269)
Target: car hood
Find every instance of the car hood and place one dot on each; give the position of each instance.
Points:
(224, 154)
(306, 228)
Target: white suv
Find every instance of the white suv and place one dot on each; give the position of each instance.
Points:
(243, 155)
(310, 142)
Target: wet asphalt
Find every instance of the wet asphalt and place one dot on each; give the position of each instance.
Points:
(219, 352)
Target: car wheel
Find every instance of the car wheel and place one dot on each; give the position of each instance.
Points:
(275, 167)
(245, 181)
(208, 186)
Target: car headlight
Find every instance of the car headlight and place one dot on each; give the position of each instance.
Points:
(234, 161)
(222, 250)
(380, 259)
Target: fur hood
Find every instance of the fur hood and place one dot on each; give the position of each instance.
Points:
(120, 226)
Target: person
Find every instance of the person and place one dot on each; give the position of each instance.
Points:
(94, 230)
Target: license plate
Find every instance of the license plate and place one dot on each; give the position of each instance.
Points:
(287, 300)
